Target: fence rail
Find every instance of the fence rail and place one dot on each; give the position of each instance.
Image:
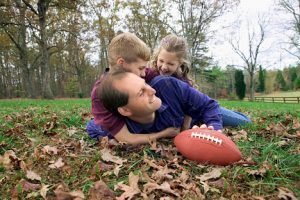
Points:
(277, 99)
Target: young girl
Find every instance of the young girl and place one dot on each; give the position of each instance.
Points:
(172, 58)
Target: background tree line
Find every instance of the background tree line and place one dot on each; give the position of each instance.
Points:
(58, 48)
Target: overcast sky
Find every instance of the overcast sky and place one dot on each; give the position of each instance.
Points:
(273, 55)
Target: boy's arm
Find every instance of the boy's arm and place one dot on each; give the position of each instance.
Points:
(134, 139)
(186, 123)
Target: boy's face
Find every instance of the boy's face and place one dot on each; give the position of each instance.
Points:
(167, 62)
(138, 67)
(142, 100)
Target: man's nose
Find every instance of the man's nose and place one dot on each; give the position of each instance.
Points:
(151, 91)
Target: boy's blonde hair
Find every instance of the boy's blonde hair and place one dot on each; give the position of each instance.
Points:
(177, 45)
(129, 47)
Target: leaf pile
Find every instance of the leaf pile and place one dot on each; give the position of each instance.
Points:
(46, 154)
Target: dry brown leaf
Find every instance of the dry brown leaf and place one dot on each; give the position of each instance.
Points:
(215, 173)
(62, 193)
(240, 135)
(145, 177)
(106, 155)
(151, 163)
(258, 198)
(24, 186)
(165, 187)
(117, 169)
(58, 164)
(33, 176)
(184, 176)
(153, 144)
(50, 150)
(72, 131)
(162, 174)
(262, 169)
(101, 167)
(9, 160)
(8, 118)
(286, 194)
(133, 181)
(129, 192)
(44, 191)
(101, 191)
(205, 186)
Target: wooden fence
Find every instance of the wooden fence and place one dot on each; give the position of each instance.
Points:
(277, 99)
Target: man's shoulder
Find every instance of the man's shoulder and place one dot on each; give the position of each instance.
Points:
(165, 80)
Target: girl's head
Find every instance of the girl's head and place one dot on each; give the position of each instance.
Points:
(171, 58)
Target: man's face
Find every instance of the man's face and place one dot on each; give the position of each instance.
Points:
(138, 67)
(142, 100)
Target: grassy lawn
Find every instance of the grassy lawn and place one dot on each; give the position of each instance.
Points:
(45, 153)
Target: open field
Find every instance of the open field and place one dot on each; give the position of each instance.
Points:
(281, 94)
(45, 153)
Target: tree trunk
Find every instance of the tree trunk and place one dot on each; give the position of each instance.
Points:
(23, 52)
(251, 86)
(46, 89)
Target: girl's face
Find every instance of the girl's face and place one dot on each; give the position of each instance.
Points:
(167, 62)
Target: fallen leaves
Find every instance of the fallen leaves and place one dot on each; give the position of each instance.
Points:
(70, 166)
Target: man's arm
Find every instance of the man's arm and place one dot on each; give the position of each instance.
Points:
(134, 139)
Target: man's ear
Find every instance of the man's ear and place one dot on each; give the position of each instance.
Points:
(120, 61)
(124, 111)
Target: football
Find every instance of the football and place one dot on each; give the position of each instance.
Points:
(207, 146)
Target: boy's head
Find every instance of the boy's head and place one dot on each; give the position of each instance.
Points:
(130, 52)
(127, 94)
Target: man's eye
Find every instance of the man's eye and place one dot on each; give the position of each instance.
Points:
(142, 93)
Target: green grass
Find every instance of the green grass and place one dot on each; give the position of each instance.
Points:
(23, 124)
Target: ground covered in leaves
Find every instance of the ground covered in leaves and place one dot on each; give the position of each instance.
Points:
(46, 154)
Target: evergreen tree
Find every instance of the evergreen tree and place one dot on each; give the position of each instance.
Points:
(261, 79)
(280, 82)
(240, 86)
(297, 83)
(293, 77)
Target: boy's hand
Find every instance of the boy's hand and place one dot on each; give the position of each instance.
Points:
(170, 132)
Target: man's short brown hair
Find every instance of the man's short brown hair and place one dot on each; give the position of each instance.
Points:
(109, 95)
(129, 47)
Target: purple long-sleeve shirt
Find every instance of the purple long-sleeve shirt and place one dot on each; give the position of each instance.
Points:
(179, 99)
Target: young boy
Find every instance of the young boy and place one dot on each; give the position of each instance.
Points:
(127, 51)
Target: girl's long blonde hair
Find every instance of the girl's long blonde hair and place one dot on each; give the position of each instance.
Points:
(177, 45)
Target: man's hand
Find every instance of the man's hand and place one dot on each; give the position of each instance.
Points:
(170, 132)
